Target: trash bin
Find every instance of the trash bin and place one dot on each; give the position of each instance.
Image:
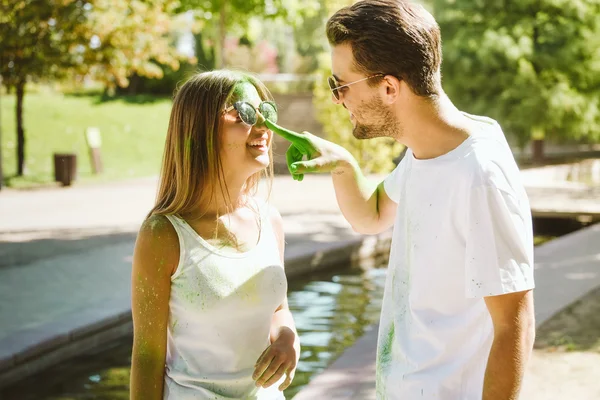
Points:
(65, 168)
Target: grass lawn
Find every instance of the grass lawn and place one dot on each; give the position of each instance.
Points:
(133, 131)
(576, 328)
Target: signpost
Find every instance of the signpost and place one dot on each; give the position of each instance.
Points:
(1, 172)
(94, 142)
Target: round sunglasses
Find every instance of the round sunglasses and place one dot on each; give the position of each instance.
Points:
(247, 112)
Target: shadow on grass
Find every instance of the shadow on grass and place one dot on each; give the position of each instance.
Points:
(575, 328)
(99, 97)
(131, 99)
(29, 182)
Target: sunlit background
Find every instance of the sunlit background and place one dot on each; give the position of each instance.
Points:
(88, 84)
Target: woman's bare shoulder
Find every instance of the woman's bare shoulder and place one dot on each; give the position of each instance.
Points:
(157, 240)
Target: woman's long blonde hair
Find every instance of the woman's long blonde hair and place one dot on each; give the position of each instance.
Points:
(191, 163)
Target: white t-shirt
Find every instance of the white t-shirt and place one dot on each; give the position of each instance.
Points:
(463, 231)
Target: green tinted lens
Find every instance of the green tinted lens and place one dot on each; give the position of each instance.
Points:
(269, 111)
(246, 111)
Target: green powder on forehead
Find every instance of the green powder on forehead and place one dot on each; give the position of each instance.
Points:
(241, 88)
(245, 91)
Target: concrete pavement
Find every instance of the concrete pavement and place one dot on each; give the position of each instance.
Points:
(65, 257)
(65, 274)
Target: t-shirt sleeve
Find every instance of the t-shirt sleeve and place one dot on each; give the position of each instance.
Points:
(499, 243)
(392, 185)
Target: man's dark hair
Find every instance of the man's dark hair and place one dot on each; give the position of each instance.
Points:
(392, 37)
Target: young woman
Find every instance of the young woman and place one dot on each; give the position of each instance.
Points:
(209, 303)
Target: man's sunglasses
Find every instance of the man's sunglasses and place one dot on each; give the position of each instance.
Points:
(247, 112)
(335, 87)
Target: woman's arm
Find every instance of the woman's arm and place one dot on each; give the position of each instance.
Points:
(155, 258)
(283, 354)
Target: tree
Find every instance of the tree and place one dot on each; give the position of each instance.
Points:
(130, 38)
(109, 40)
(221, 16)
(309, 31)
(38, 38)
(531, 64)
(1, 171)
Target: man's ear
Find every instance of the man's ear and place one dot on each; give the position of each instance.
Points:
(391, 89)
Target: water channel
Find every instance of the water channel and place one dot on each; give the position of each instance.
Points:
(331, 309)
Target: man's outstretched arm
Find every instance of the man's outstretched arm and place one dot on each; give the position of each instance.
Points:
(366, 207)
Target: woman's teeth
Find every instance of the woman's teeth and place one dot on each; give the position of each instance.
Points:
(258, 143)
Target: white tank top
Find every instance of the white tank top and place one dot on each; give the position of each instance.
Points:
(220, 313)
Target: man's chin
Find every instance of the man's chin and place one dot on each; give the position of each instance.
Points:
(362, 132)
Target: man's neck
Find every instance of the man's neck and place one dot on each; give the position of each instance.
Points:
(433, 128)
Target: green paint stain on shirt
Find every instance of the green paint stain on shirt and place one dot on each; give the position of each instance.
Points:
(384, 359)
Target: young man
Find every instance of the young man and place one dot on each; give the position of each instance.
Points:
(457, 321)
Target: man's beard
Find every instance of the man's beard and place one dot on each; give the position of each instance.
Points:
(383, 123)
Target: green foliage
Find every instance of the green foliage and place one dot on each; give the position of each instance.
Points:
(309, 31)
(373, 155)
(165, 86)
(39, 38)
(108, 39)
(253, 21)
(134, 37)
(533, 65)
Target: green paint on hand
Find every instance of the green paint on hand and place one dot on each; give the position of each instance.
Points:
(301, 146)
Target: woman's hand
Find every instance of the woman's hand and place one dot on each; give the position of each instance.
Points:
(280, 358)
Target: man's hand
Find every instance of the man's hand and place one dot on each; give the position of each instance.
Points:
(278, 359)
(367, 208)
(321, 155)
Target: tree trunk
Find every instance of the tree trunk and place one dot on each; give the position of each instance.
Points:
(1, 171)
(537, 145)
(134, 84)
(20, 89)
(537, 151)
(205, 57)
